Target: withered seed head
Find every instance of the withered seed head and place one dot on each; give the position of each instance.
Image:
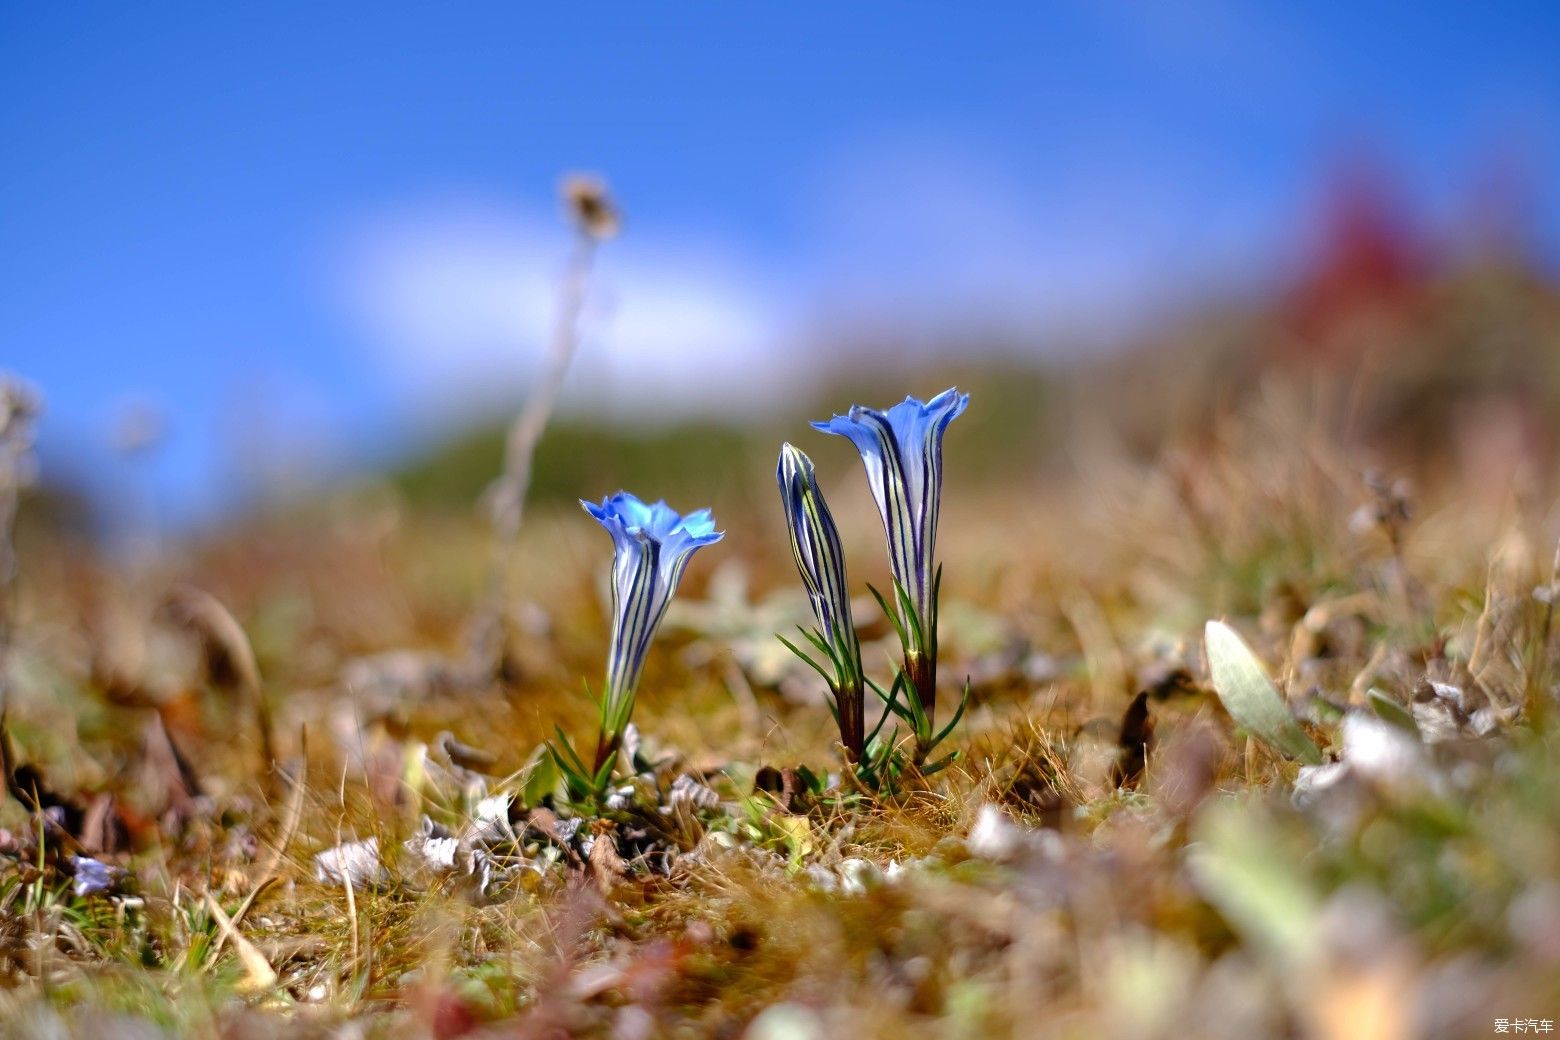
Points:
(590, 206)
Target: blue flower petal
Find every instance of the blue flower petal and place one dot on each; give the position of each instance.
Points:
(902, 452)
(652, 544)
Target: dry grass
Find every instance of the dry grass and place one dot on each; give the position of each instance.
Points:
(1038, 888)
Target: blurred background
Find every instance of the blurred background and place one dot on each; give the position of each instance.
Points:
(249, 254)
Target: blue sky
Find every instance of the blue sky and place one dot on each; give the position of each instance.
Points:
(306, 232)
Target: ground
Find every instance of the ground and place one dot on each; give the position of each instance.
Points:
(202, 734)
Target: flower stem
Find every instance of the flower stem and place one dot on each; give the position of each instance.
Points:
(607, 745)
(921, 672)
(852, 711)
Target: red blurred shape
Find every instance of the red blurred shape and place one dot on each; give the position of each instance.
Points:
(1365, 270)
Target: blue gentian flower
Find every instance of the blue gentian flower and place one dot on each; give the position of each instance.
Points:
(902, 450)
(815, 543)
(652, 544)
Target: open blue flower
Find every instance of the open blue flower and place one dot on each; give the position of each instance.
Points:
(652, 545)
(902, 450)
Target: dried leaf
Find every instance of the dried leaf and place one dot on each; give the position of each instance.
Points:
(688, 791)
(354, 861)
(1137, 735)
(606, 866)
(464, 755)
(259, 976)
(168, 770)
(230, 660)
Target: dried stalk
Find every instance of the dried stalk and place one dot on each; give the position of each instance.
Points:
(508, 493)
(595, 219)
(18, 410)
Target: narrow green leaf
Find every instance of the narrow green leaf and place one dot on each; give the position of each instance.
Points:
(892, 615)
(912, 620)
(891, 699)
(936, 608)
(814, 665)
(542, 778)
(574, 782)
(890, 702)
(940, 764)
(1390, 711)
(958, 713)
(812, 636)
(563, 741)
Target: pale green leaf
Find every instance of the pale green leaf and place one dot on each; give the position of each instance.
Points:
(1250, 696)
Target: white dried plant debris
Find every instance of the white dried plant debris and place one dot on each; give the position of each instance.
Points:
(822, 878)
(434, 852)
(1378, 759)
(690, 792)
(490, 821)
(1438, 711)
(1486, 721)
(437, 852)
(354, 862)
(858, 875)
(996, 836)
(1333, 793)
(1446, 712)
(787, 1022)
(1315, 782)
(476, 873)
(621, 798)
(1385, 755)
(567, 828)
(631, 743)
(481, 871)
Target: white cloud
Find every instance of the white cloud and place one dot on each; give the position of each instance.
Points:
(915, 239)
(456, 301)
(938, 232)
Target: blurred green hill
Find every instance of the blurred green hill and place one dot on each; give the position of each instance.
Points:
(580, 456)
